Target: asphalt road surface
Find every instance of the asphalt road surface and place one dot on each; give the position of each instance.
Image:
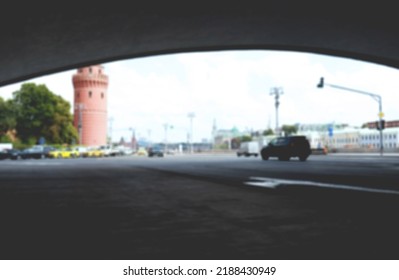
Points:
(200, 207)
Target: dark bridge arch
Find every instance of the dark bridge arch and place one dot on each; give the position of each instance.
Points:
(37, 41)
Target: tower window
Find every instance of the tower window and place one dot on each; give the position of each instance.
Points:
(102, 95)
(77, 95)
(90, 70)
(90, 93)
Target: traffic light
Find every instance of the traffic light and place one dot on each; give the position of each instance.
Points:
(377, 125)
(321, 83)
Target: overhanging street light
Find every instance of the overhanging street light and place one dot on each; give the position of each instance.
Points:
(376, 97)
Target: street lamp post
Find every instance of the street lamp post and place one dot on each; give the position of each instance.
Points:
(276, 92)
(376, 97)
(111, 120)
(165, 126)
(133, 141)
(191, 115)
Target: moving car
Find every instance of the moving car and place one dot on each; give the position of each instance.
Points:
(155, 151)
(286, 147)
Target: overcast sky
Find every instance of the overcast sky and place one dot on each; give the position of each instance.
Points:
(233, 88)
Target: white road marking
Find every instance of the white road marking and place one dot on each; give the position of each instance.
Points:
(272, 183)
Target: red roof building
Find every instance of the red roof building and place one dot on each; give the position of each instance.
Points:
(388, 124)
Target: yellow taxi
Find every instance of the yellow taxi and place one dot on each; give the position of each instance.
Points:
(65, 153)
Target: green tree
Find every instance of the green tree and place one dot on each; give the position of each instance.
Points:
(41, 113)
(235, 142)
(268, 132)
(245, 138)
(7, 119)
(289, 129)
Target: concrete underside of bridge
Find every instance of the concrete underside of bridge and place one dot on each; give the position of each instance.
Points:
(37, 41)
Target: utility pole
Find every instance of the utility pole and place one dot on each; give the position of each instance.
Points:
(191, 115)
(276, 91)
(111, 119)
(165, 126)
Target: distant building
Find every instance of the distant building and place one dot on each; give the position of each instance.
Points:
(224, 136)
(343, 137)
(90, 105)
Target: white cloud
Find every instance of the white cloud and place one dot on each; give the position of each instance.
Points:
(234, 89)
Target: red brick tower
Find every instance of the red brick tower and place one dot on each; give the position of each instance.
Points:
(90, 105)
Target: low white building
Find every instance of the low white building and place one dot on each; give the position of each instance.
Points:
(370, 138)
(345, 137)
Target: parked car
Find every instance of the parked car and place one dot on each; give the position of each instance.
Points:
(4, 154)
(15, 154)
(81, 150)
(125, 151)
(64, 153)
(9, 154)
(155, 151)
(93, 152)
(286, 147)
(37, 152)
(111, 150)
(142, 152)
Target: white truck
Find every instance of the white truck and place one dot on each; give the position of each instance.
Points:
(5, 146)
(247, 149)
